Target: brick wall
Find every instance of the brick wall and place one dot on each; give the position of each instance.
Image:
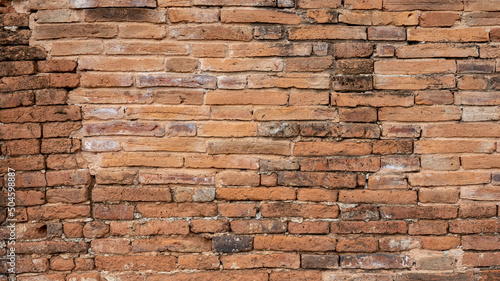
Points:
(251, 140)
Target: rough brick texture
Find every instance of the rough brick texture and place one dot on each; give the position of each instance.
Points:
(253, 140)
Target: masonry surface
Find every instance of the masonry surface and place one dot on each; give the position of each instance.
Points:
(252, 140)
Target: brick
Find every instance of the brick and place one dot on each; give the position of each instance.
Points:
(179, 113)
(419, 212)
(319, 261)
(404, 5)
(477, 211)
(299, 210)
(59, 263)
(303, 98)
(51, 96)
(179, 96)
(147, 228)
(323, 16)
(148, 159)
(175, 80)
(172, 144)
(78, 4)
(361, 244)
(399, 164)
(316, 195)
(65, 48)
(438, 19)
(295, 113)
(466, 276)
(193, 15)
(440, 243)
(489, 275)
(278, 129)
(9, 100)
(130, 194)
(386, 33)
(415, 66)
(120, 263)
(181, 64)
(142, 48)
(308, 64)
(257, 226)
(481, 19)
(359, 212)
(327, 32)
(392, 147)
(309, 227)
(247, 146)
(295, 80)
(67, 195)
(16, 68)
(436, 50)
(378, 196)
(151, 210)
(479, 193)
(232, 243)
(352, 50)
(385, 51)
(352, 83)
(360, 114)
(270, 49)
(30, 179)
(13, 19)
(332, 180)
(481, 243)
(475, 5)
(258, 193)
(293, 243)
(161, 244)
(113, 212)
(450, 146)
(413, 82)
(235, 15)
(375, 261)
(428, 227)
(21, 147)
(332, 148)
(244, 275)
(395, 130)
(111, 246)
(450, 35)
(448, 178)
(119, 64)
(480, 259)
(260, 261)
(222, 161)
(364, 5)
(374, 99)
(232, 82)
(198, 262)
(94, 80)
(399, 243)
(318, 4)
(250, 97)
(58, 212)
(212, 33)
(123, 14)
(341, 164)
(380, 227)
(438, 195)
(22, 164)
(56, 31)
(434, 97)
